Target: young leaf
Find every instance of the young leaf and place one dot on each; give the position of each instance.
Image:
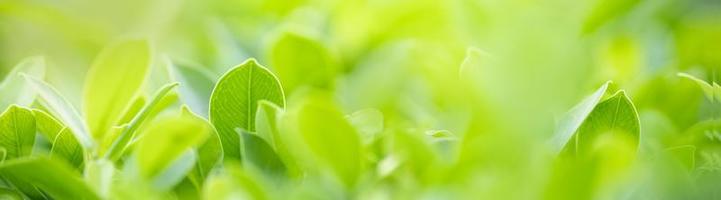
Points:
(165, 141)
(54, 178)
(332, 141)
(300, 60)
(99, 175)
(234, 102)
(63, 141)
(209, 153)
(127, 133)
(616, 116)
(14, 89)
(368, 122)
(112, 82)
(571, 121)
(197, 85)
(17, 132)
(258, 153)
(61, 108)
(266, 124)
(234, 183)
(710, 91)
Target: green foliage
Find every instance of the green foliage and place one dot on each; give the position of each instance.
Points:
(423, 99)
(112, 81)
(234, 102)
(17, 130)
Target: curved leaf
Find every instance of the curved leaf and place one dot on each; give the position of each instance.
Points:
(209, 153)
(234, 102)
(17, 132)
(165, 141)
(112, 82)
(197, 84)
(332, 141)
(571, 121)
(300, 60)
(63, 110)
(615, 117)
(127, 133)
(63, 141)
(17, 91)
(53, 177)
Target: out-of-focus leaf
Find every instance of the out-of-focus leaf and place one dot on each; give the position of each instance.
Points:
(9, 194)
(332, 141)
(133, 110)
(63, 110)
(234, 102)
(112, 82)
(99, 175)
(127, 133)
(686, 155)
(17, 132)
(209, 153)
(14, 90)
(63, 141)
(368, 122)
(710, 91)
(266, 122)
(234, 184)
(165, 141)
(604, 11)
(615, 117)
(53, 177)
(299, 60)
(197, 85)
(571, 121)
(175, 172)
(258, 153)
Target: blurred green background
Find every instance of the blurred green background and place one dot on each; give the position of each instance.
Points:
(496, 73)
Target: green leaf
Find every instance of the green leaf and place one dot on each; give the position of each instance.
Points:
(54, 178)
(127, 133)
(197, 85)
(614, 118)
(209, 153)
(165, 141)
(300, 60)
(709, 90)
(332, 141)
(63, 141)
(112, 82)
(63, 110)
(605, 11)
(8, 194)
(17, 91)
(99, 175)
(266, 124)
(234, 183)
(17, 132)
(234, 102)
(368, 122)
(571, 121)
(258, 153)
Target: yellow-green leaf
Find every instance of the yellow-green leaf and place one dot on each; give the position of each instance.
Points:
(112, 82)
(17, 132)
(53, 177)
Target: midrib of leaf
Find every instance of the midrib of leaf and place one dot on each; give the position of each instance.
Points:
(250, 92)
(102, 129)
(615, 112)
(18, 140)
